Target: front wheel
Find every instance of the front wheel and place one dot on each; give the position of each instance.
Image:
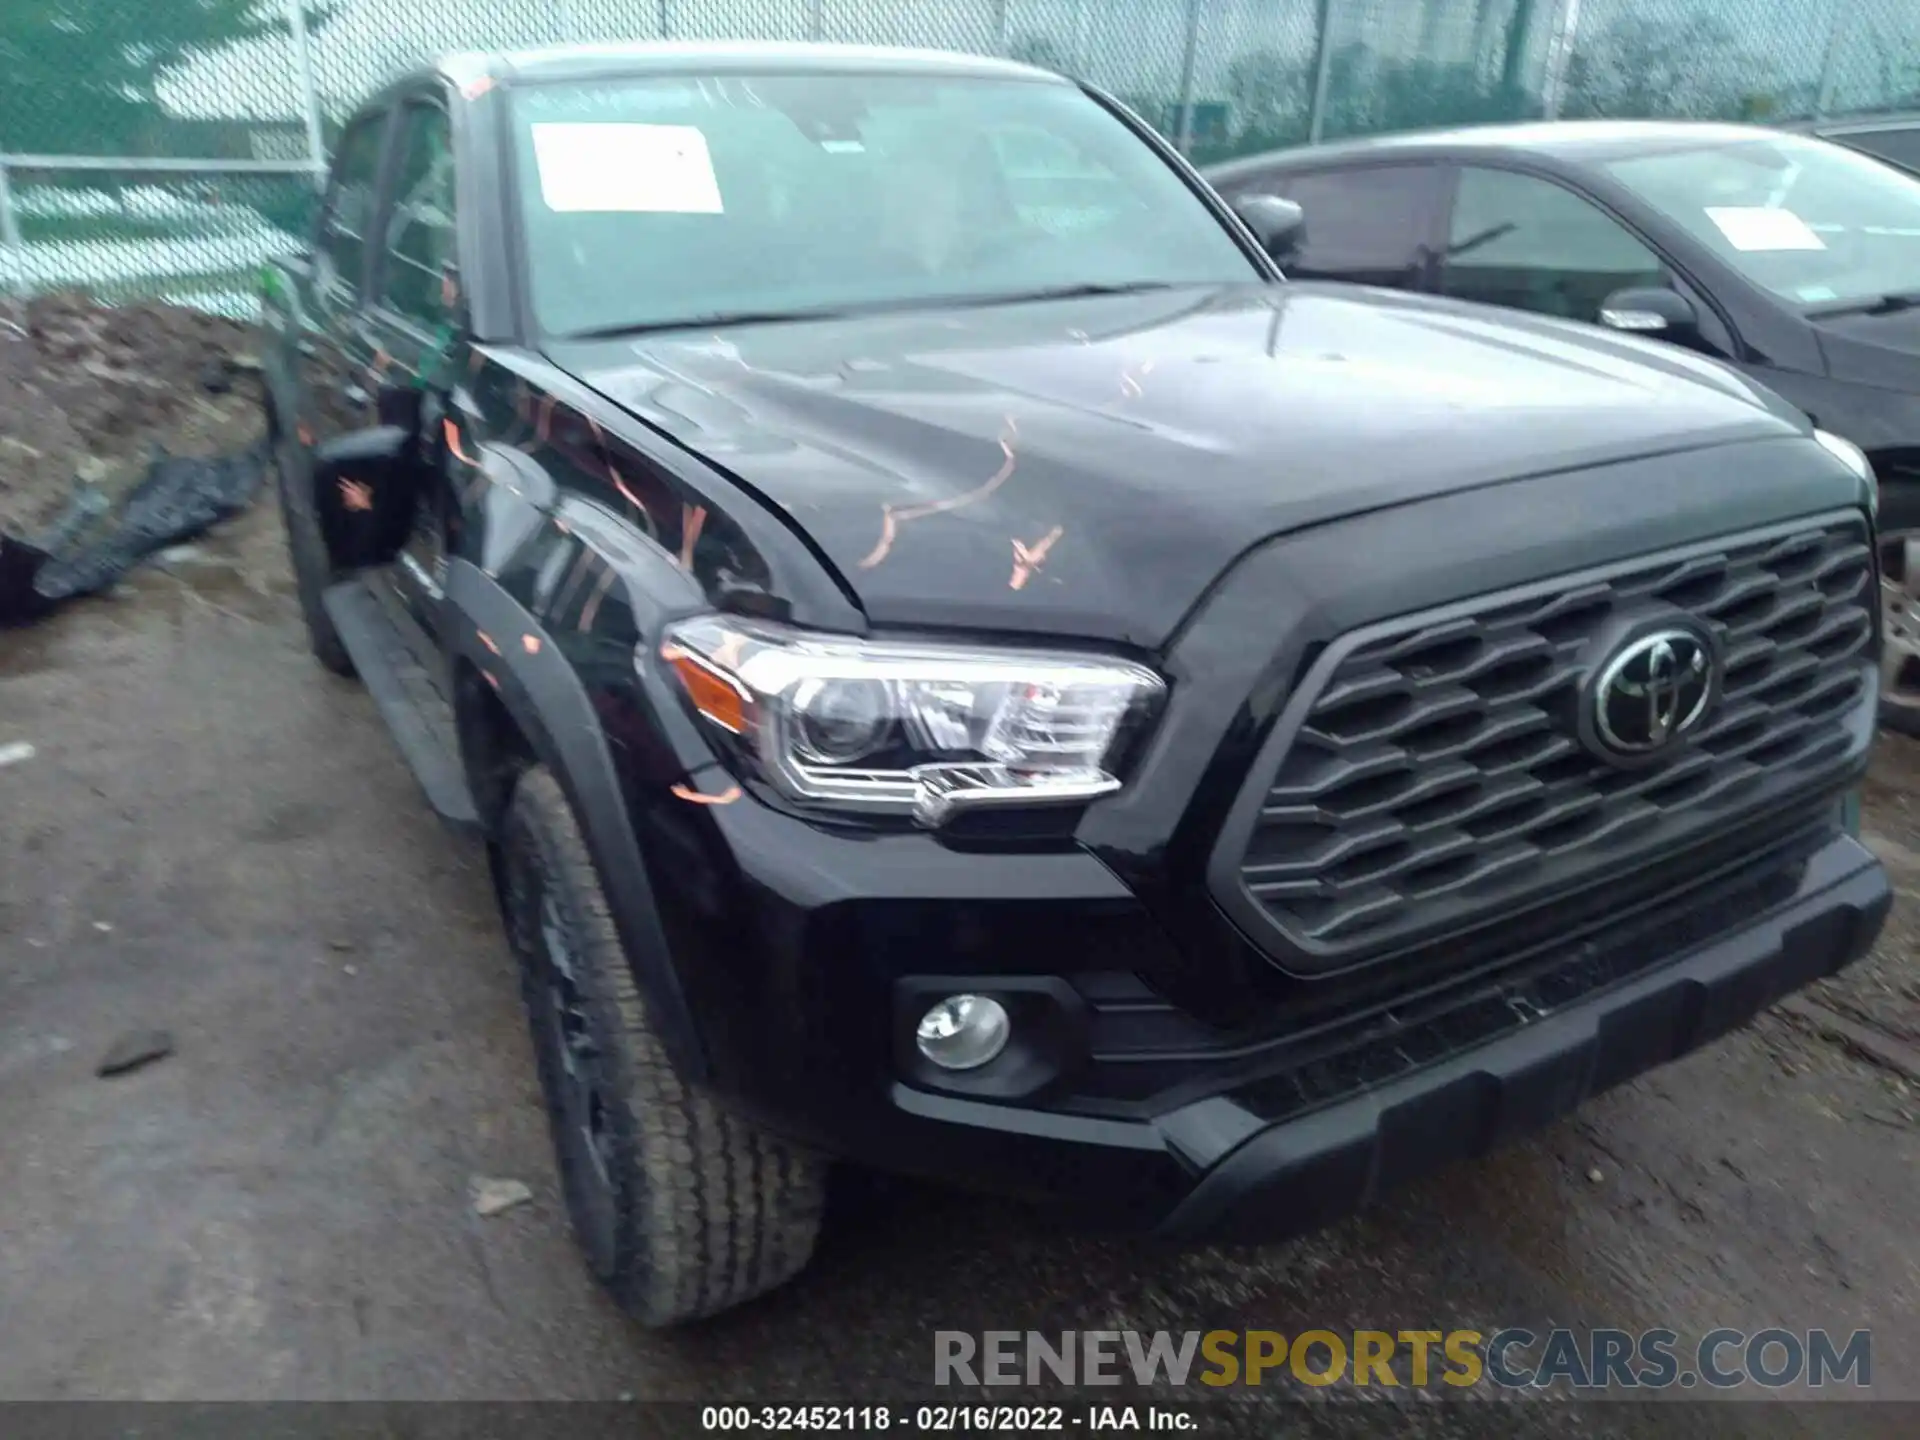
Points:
(682, 1207)
(1900, 608)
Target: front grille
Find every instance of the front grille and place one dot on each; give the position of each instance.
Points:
(1436, 781)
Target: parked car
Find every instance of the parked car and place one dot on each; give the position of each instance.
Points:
(1893, 138)
(1789, 258)
(957, 668)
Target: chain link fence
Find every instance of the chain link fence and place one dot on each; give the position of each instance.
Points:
(164, 151)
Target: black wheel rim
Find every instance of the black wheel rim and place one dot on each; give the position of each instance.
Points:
(573, 1060)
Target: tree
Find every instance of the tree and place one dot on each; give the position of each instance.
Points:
(1040, 50)
(82, 77)
(1269, 95)
(1645, 68)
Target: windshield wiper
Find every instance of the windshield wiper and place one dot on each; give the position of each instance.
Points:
(1062, 292)
(717, 319)
(1876, 305)
(711, 320)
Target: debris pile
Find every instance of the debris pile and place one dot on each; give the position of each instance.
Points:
(92, 398)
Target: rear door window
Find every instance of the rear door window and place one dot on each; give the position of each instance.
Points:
(419, 251)
(351, 192)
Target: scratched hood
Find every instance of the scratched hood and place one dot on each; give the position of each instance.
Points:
(1089, 467)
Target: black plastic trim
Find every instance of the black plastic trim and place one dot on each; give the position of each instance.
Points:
(550, 705)
(1224, 879)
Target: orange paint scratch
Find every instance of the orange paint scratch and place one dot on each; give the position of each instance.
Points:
(620, 484)
(592, 607)
(564, 595)
(492, 679)
(356, 494)
(530, 643)
(487, 640)
(474, 89)
(305, 432)
(731, 794)
(453, 443)
(1028, 560)
(692, 519)
(891, 519)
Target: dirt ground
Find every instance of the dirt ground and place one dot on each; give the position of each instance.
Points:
(86, 391)
(212, 837)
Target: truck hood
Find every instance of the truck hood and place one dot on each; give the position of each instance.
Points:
(1090, 466)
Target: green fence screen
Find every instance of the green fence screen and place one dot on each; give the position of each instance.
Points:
(164, 148)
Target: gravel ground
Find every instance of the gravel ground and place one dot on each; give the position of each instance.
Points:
(214, 838)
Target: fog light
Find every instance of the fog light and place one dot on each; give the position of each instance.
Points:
(963, 1032)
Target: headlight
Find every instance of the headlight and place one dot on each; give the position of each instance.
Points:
(907, 728)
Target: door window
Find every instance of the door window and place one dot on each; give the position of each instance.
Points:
(1529, 244)
(419, 234)
(1900, 147)
(350, 197)
(1369, 226)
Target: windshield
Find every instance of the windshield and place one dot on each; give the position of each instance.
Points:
(1814, 222)
(686, 199)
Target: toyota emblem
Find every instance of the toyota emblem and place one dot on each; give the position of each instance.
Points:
(1654, 691)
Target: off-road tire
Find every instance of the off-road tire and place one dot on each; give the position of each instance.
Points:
(312, 572)
(700, 1208)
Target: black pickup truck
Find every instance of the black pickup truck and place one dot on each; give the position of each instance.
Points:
(959, 667)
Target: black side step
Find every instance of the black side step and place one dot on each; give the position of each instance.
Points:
(388, 657)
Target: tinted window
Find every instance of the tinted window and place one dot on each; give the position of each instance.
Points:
(1902, 147)
(1368, 226)
(1812, 221)
(1529, 244)
(356, 172)
(669, 200)
(419, 242)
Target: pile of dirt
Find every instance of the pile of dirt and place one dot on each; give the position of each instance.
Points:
(87, 391)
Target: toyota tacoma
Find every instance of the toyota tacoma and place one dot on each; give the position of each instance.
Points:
(959, 666)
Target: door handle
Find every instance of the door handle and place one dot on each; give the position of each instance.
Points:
(355, 394)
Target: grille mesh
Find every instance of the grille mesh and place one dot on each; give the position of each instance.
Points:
(1437, 780)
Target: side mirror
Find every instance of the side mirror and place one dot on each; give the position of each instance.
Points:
(365, 487)
(1276, 223)
(1652, 310)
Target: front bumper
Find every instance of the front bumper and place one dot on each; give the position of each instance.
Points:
(1239, 1139)
(1294, 1176)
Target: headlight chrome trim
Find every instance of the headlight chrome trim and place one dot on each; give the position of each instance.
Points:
(1043, 727)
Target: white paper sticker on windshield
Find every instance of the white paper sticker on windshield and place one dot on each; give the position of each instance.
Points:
(1753, 227)
(612, 167)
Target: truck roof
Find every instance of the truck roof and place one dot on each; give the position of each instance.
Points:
(699, 57)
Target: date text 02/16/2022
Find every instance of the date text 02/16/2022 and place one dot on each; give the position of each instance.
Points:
(942, 1419)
